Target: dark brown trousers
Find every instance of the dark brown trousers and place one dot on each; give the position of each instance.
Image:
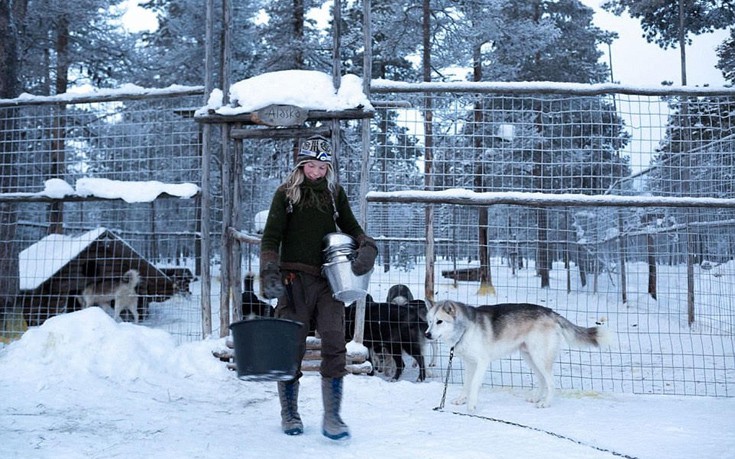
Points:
(308, 300)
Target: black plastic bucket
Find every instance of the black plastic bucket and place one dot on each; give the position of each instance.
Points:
(267, 349)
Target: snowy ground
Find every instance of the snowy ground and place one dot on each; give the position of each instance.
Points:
(83, 385)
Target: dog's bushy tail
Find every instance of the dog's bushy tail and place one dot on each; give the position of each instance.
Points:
(577, 336)
(132, 276)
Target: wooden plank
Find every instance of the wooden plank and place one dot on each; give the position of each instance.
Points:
(313, 342)
(313, 354)
(463, 274)
(314, 115)
(280, 115)
(311, 365)
(225, 356)
(279, 133)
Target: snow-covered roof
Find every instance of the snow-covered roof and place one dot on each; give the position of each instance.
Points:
(46, 257)
(307, 89)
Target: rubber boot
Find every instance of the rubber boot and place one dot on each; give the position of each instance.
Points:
(333, 427)
(288, 394)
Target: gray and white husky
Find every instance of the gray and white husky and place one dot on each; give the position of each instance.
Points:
(482, 334)
(122, 292)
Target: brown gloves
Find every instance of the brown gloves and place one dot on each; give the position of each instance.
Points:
(271, 285)
(365, 255)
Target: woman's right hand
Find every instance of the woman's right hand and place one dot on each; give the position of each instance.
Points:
(271, 284)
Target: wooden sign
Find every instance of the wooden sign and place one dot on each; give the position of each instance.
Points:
(280, 115)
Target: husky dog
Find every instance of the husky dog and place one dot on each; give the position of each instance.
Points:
(486, 333)
(122, 292)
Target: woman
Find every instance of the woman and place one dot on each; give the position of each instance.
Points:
(306, 207)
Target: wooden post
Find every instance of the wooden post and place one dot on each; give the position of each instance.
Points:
(226, 240)
(235, 271)
(359, 332)
(227, 201)
(623, 249)
(205, 198)
(336, 76)
(428, 153)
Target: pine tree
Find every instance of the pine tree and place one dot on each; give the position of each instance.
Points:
(668, 23)
(726, 57)
(65, 43)
(9, 88)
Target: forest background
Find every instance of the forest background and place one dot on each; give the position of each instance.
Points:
(52, 46)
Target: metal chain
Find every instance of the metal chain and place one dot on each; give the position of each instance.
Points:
(446, 381)
(554, 434)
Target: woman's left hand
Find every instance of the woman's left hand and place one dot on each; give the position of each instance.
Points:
(365, 255)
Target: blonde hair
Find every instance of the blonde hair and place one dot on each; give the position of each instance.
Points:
(292, 184)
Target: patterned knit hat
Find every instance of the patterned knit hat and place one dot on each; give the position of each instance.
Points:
(315, 147)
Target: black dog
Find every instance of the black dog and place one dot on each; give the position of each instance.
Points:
(399, 294)
(251, 304)
(182, 278)
(391, 329)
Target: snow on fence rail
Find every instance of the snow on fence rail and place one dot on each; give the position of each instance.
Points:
(472, 198)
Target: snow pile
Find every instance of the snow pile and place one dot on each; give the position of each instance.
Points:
(89, 342)
(57, 188)
(260, 220)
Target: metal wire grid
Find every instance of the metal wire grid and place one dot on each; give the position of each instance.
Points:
(569, 144)
(579, 150)
(127, 140)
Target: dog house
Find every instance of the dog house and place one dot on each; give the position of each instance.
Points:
(54, 270)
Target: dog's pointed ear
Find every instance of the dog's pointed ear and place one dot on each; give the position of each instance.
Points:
(450, 308)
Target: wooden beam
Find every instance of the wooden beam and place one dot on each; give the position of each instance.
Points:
(314, 115)
(279, 133)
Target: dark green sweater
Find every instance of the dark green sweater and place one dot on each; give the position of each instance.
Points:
(297, 236)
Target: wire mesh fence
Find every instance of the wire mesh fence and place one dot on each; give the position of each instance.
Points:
(657, 270)
(69, 237)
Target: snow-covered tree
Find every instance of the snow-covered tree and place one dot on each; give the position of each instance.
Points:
(64, 43)
(726, 57)
(669, 23)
